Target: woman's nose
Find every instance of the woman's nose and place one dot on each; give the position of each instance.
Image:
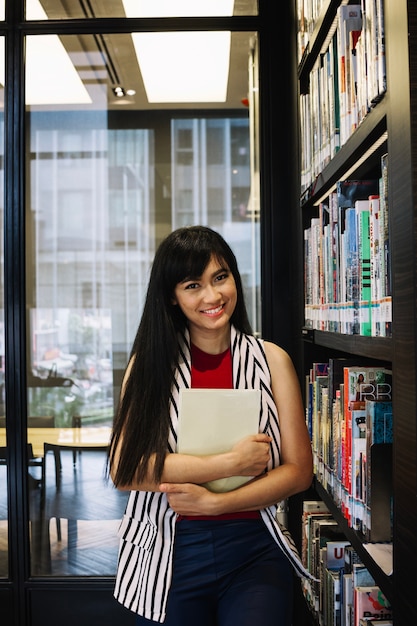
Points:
(211, 293)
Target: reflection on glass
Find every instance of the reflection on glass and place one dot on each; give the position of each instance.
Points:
(71, 365)
(58, 9)
(107, 180)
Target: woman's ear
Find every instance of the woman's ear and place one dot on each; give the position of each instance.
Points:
(173, 301)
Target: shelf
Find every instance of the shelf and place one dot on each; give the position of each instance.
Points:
(379, 348)
(362, 150)
(357, 541)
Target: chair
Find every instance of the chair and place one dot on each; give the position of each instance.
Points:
(36, 421)
(83, 496)
(42, 421)
(77, 422)
(3, 455)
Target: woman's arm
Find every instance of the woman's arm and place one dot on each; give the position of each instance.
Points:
(248, 457)
(292, 476)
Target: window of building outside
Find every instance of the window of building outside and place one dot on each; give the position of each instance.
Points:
(109, 174)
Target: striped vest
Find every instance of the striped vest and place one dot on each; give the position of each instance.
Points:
(147, 530)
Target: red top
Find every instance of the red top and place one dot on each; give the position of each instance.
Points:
(213, 371)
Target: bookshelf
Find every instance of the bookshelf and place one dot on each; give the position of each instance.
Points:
(388, 126)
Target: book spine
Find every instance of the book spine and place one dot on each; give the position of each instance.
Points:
(364, 266)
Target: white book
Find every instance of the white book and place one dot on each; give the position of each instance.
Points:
(211, 421)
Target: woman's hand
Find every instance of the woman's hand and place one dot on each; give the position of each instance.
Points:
(251, 455)
(189, 499)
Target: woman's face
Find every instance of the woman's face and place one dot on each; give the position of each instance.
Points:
(208, 301)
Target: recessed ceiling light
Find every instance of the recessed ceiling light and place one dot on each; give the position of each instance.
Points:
(182, 66)
(178, 8)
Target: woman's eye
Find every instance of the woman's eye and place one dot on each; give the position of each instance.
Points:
(192, 286)
(222, 276)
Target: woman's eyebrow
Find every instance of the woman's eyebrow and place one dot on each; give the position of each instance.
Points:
(188, 278)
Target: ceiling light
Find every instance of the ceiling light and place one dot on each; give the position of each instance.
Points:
(177, 8)
(51, 77)
(184, 66)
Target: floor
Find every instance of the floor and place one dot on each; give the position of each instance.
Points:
(88, 510)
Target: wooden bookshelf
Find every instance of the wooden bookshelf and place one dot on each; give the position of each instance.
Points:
(391, 119)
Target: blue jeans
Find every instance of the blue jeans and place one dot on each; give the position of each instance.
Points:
(228, 573)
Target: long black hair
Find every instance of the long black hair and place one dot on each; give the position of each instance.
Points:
(143, 412)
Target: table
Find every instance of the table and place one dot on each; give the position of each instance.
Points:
(84, 437)
(44, 440)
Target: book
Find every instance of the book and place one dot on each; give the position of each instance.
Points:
(349, 190)
(364, 266)
(211, 421)
(347, 599)
(331, 563)
(310, 508)
(358, 417)
(379, 493)
(335, 553)
(375, 258)
(361, 383)
(349, 19)
(386, 304)
(332, 594)
(323, 531)
(361, 576)
(351, 557)
(379, 419)
(311, 517)
(369, 601)
(378, 469)
(335, 419)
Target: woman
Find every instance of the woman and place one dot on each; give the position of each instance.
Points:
(189, 555)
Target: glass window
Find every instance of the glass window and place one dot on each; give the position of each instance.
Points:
(109, 175)
(4, 562)
(61, 9)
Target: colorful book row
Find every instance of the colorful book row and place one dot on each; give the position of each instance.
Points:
(347, 276)
(350, 420)
(344, 592)
(347, 81)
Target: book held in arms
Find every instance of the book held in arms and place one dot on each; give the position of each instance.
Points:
(211, 421)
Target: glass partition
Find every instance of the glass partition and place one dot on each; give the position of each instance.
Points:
(4, 562)
(110, 173)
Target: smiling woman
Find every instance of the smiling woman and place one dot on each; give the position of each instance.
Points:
(205, 554)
